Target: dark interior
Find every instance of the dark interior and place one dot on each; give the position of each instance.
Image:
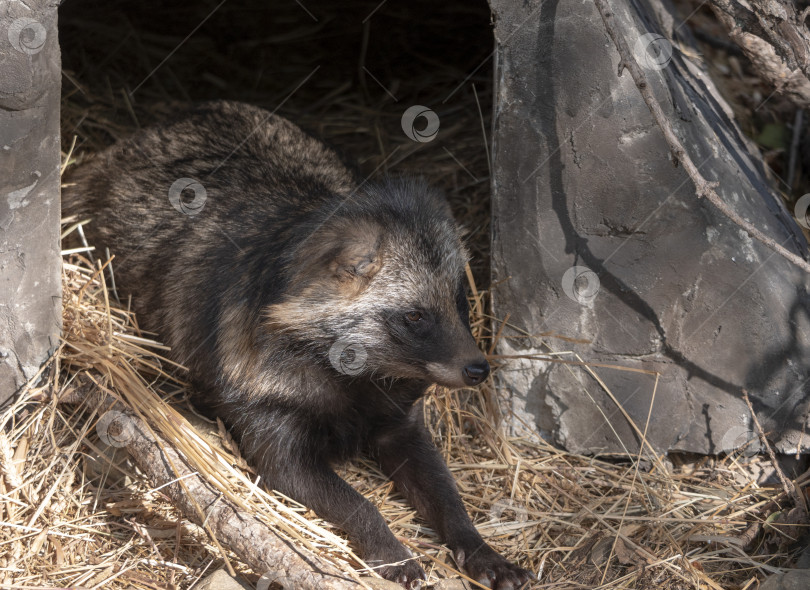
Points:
(345, 71)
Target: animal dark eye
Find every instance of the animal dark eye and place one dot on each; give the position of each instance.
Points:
(414, 316)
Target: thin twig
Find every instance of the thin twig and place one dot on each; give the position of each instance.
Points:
(787, 484)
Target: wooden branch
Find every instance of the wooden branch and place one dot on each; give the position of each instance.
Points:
(776, 22)
(745, 30)
(703, 187)
(254, 543)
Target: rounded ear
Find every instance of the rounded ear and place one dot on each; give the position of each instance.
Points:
(347, 251)
(337, 259)
(358, 258)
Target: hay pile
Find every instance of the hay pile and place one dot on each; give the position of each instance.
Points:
(76, 512)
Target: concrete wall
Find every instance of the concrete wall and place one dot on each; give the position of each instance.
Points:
(30, 264)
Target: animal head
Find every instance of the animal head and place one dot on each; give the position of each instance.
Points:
(378, 281)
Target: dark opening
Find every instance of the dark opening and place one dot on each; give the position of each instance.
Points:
(345, 71)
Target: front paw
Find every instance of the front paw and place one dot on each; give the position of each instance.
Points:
(396, 564)
(491, 569)
(408, 574)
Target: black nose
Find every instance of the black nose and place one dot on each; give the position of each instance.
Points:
(476, 373)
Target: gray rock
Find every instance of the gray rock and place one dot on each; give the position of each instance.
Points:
(598, 238)
(30, 262)
(791, 580)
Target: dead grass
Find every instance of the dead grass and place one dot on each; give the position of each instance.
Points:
(77, 513)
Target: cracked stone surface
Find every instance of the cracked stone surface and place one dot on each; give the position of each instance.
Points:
(30, 262)
(603, 252)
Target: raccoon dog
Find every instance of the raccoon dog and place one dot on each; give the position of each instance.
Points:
(311, 308)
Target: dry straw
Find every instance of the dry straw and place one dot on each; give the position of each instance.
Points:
(77, 513)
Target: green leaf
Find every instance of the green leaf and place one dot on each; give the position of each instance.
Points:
(774, 136)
